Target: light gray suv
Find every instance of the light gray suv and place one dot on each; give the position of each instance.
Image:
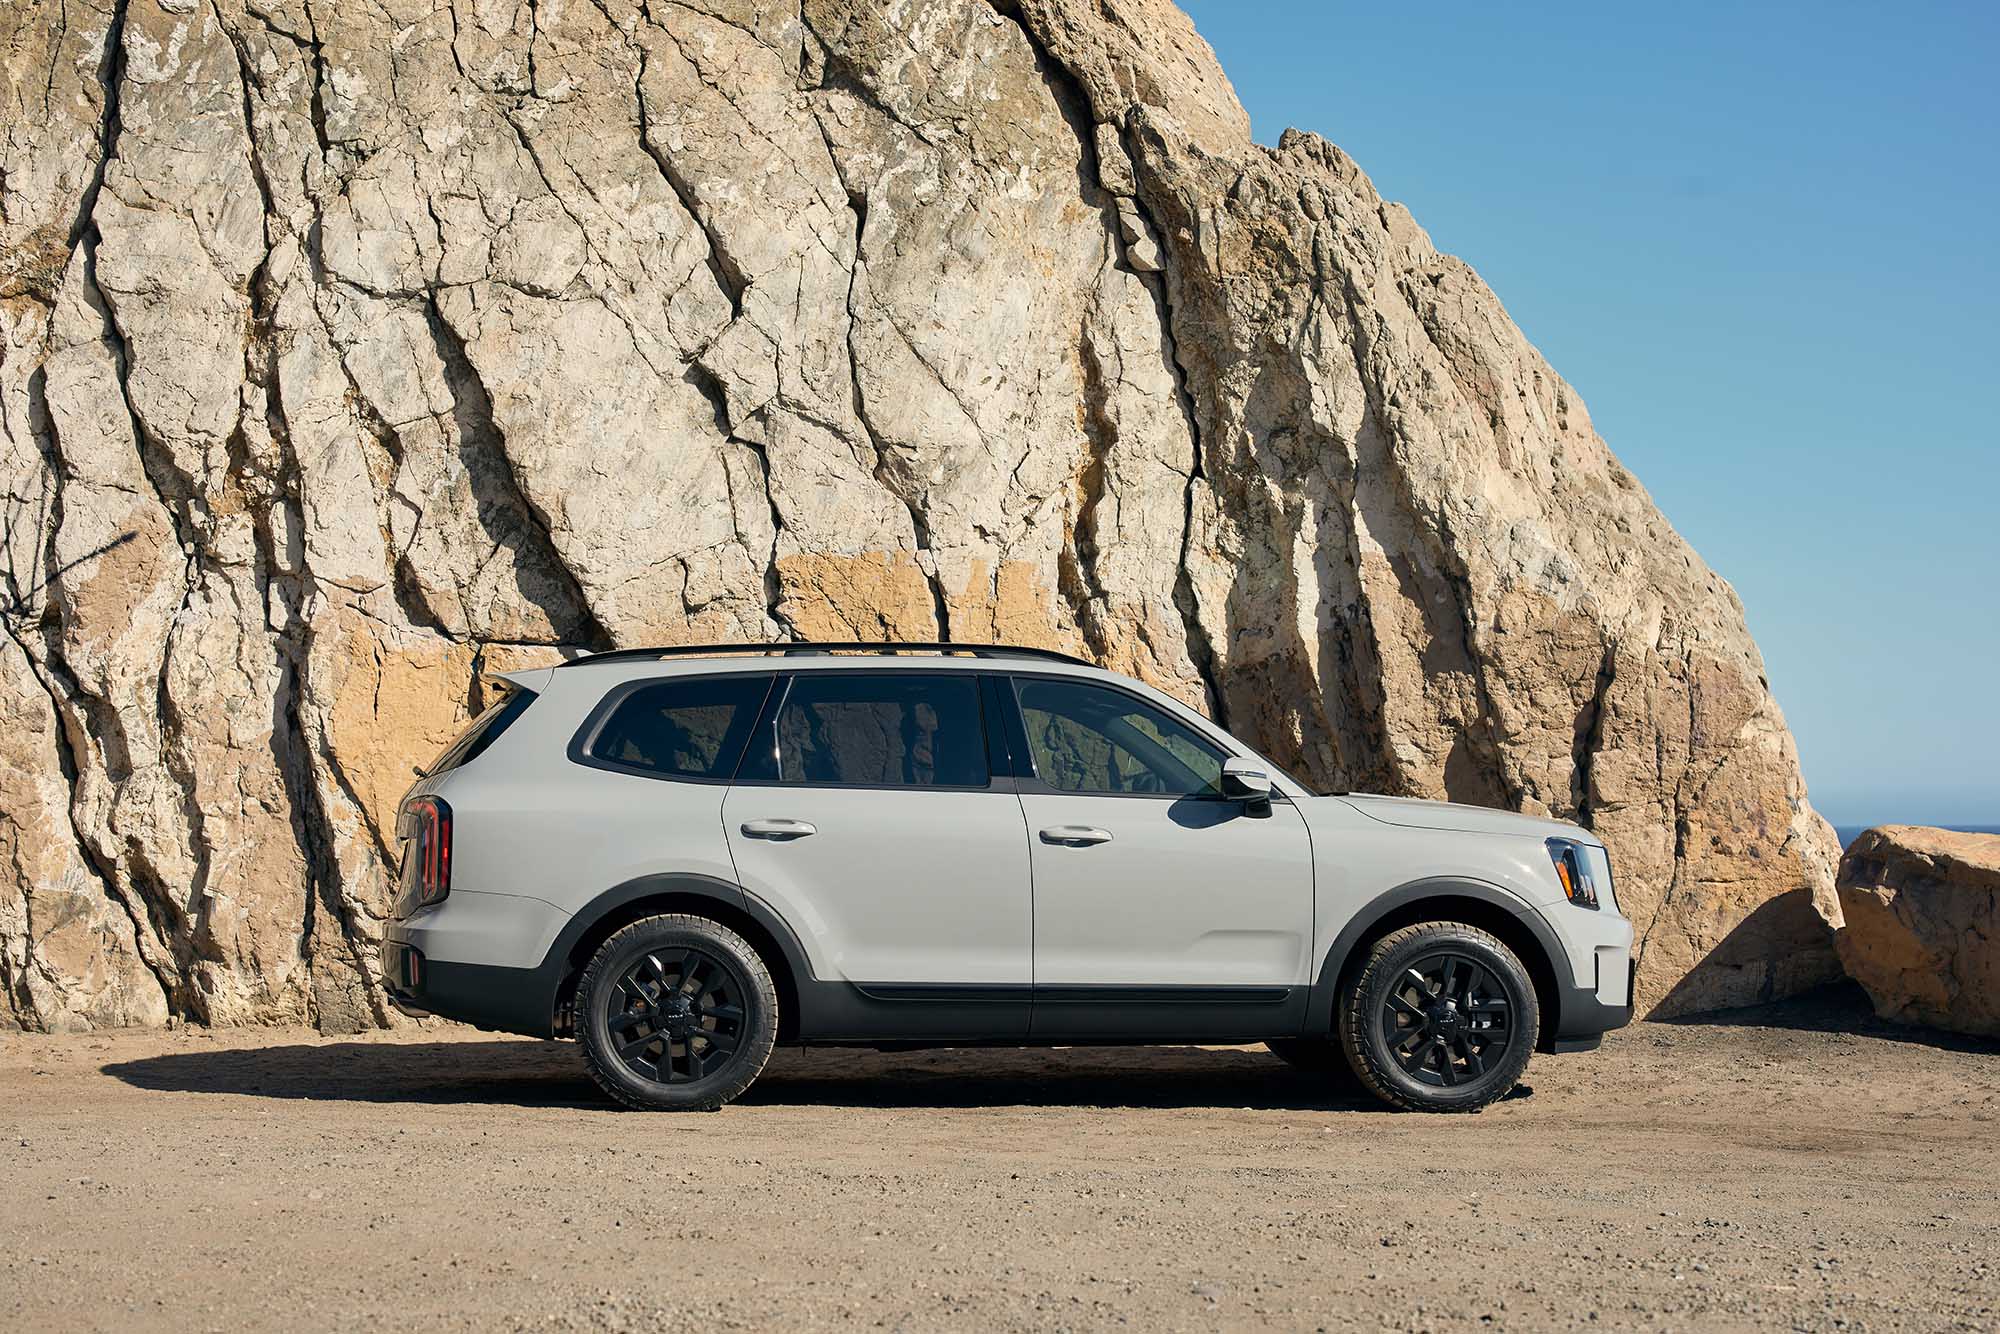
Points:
(682, 857)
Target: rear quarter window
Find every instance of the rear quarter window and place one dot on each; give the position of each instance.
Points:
(483, 732)
(691, 727)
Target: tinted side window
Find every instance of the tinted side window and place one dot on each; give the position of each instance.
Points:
(690, 728)
(1086, 738)
(902, 729)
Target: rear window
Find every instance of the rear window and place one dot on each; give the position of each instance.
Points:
(693, 727)
(484, 731)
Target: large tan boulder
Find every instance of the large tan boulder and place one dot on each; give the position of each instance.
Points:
(350, 351)
(1922, 934)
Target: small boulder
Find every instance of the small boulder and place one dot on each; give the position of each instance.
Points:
(1923, 925)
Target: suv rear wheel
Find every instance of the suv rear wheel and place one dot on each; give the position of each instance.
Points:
(1441, 1017)
(676, 1013)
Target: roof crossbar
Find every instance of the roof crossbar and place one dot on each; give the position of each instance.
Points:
(794, 648)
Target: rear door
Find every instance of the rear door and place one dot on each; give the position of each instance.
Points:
(867, 812)
(1161, 908)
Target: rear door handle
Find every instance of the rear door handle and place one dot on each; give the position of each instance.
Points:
(1075, 835)
(782, 831)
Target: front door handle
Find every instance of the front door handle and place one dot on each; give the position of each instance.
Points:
(1075, 835)
(782, 831)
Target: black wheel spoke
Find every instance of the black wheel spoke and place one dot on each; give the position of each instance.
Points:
(1447, 1019)
(677, 1014)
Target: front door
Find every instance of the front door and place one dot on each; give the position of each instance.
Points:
(1161, 907)
(866, 813)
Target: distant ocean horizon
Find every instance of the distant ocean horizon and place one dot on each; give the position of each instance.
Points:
(1847, 833)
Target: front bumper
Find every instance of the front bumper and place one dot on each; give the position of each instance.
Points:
(1584, 1016)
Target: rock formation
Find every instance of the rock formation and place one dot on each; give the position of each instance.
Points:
(348, 353)
(1922, 932)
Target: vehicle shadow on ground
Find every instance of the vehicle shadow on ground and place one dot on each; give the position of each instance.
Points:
(527, 1074)
(548, 1074)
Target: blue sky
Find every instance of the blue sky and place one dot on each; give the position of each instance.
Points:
(1760, 241)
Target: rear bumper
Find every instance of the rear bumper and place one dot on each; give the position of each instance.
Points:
(481, 959)
(504, 1000)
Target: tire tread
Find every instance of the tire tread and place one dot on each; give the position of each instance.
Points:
(597, 1063)
(1355, 1014)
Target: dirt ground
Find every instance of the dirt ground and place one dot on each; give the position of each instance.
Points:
(1770, 1171)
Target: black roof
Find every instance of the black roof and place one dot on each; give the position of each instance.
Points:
(790, 648)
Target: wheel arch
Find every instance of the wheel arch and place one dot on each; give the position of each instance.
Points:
(1516, 924)
(702, 896)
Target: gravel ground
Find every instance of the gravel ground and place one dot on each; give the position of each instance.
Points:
(1794, 1167)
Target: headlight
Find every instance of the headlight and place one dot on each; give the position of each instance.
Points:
(1573, 871)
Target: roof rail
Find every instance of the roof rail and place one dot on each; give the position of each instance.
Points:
(790, 648)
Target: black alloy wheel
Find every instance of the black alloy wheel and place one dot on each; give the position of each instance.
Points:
(1446, 1019)
(1439, 1017)
(676, 1013)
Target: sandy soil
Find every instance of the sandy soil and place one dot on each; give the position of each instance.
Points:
(1771, 1171)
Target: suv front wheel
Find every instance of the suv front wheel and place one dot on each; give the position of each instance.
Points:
(1441, 1017)
(676, 1013)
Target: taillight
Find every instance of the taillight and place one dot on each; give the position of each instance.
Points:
(430, 860)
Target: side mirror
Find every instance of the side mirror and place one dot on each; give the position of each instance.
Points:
(1245, 780)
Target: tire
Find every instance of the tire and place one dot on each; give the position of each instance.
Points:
(1320, 1059)
(1441, 1017)
(654, 1042)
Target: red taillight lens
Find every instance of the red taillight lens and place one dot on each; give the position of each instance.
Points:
(432, 862)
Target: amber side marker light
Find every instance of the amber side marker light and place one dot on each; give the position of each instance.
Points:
(1573, 872)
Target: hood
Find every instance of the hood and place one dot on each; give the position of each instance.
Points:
(1411, 813)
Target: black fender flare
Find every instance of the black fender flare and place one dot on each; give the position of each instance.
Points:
(679, 885)
(1325, 996)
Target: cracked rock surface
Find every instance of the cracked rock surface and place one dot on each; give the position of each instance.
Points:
(349, 354)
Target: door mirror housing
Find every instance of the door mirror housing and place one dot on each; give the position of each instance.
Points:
(1245, 780)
